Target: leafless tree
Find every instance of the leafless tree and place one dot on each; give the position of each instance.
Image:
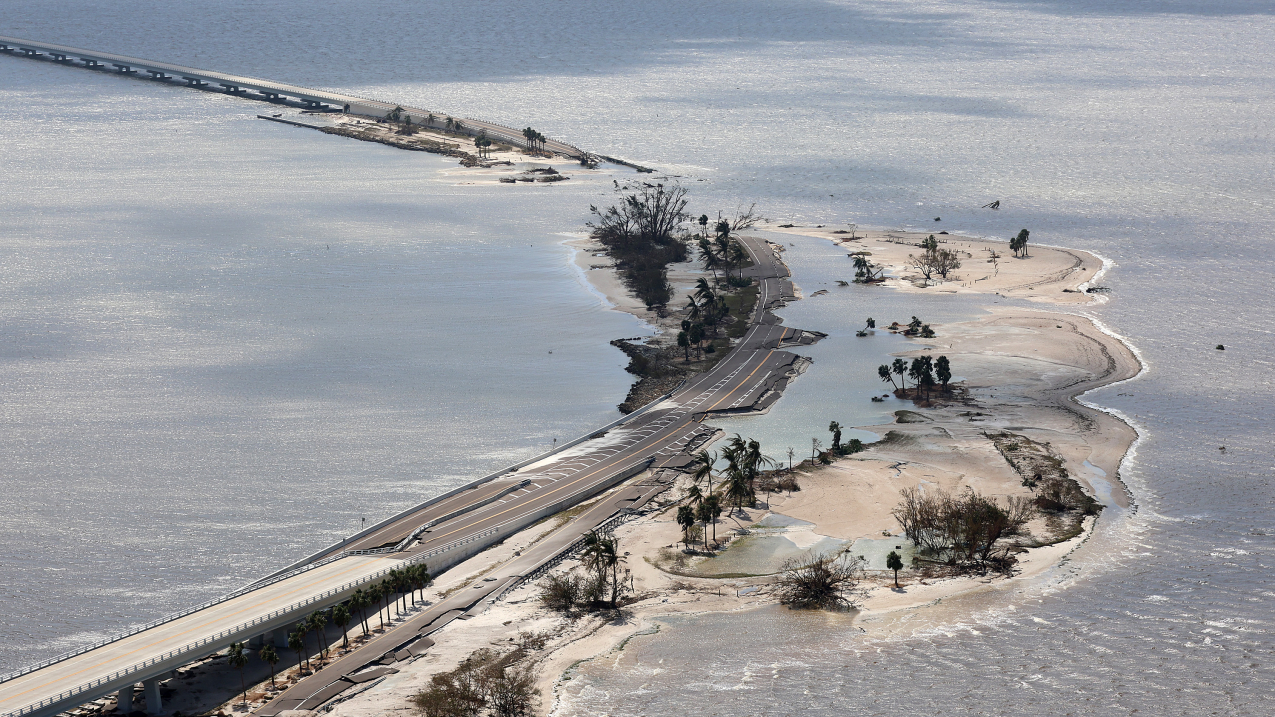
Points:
(935, 261)
(962, 529)
(821, 582)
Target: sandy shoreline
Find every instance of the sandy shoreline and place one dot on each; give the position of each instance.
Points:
(1049, 274)
(1024, 369)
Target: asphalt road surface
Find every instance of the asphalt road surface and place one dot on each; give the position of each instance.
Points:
(751, 376)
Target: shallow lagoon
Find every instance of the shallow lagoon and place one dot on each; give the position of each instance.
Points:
(1141, 131)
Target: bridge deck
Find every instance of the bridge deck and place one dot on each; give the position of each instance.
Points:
(184, 635)
(357, 105)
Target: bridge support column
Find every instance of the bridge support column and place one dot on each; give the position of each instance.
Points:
(153, 704)
(124, 700)
(280, 638)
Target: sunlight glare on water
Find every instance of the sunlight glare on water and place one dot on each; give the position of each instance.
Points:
(225, 341)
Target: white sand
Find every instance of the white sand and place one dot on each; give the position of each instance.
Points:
(1025, 365)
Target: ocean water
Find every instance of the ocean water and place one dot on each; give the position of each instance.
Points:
(194, 391)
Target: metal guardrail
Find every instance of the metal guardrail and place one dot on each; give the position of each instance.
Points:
(188, 648)
(607, 526)
(204, 641)
(270, 580)
(178, 615)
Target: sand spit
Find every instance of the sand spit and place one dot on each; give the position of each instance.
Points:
(1051, 275)
(1019, 370)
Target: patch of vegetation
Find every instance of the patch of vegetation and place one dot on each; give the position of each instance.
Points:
(1057, 494)
(894, 438)
(488, 682)
(644, 234)
(821, 582)
(566, 592)
(964, 531)
(905, 416)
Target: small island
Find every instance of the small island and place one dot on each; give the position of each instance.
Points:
(992, 475)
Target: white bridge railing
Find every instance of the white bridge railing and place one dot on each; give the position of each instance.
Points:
(218, 637)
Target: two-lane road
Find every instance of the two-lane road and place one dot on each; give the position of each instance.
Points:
(456, 527)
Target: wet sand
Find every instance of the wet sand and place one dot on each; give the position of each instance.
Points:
(1018, 369)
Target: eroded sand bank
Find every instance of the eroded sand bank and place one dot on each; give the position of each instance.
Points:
(1018, 369)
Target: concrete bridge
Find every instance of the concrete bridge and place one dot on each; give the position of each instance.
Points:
(440, 533)
(253, 88)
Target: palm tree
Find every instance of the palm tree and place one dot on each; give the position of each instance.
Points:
(739, 257)
(900, 368)
(359, 601)
(429, 120)
(238, 660)
(270, 657)
(600, 555)
(341, 618)
(395, 581)
(426, 579)
(302, 633)
(694, 494)
(815, 445)
(318, 623)
(736, 486)
(450, 123)
(693, 309)
(386, 590)
(703, 468)
(296, 643)
(943, 368)
(457, 126)
(835, 428)
(862, 268)
(704, 292)
(374, 600)
(894, 562)
(708, 512)
(711, 261)
(686, 519)
(886, 375)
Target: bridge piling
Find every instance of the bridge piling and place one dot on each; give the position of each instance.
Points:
(153, 704)
(124, 700)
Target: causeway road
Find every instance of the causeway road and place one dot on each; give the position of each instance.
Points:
(247, 87)
(446, 532)
(742, 381)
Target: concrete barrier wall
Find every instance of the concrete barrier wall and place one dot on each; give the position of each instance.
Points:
(438, 563)
(455, 491)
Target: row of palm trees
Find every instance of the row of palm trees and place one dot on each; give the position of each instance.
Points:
(398, 114)
(737, 484)
(721, 251)
(535, 140)
(924, 372)
(706, 305)
(392, 592)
